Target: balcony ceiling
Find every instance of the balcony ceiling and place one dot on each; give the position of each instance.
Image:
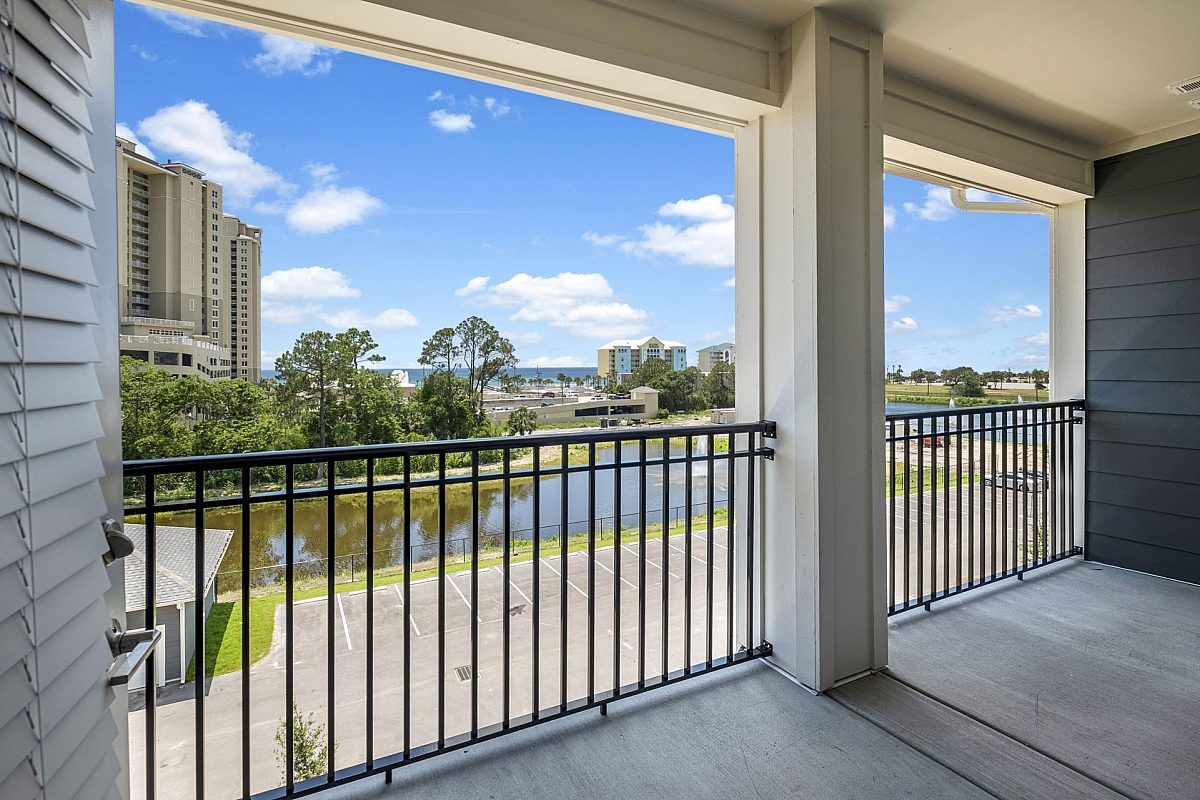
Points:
(1095, 72)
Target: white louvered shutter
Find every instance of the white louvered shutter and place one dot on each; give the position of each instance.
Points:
(57, 729)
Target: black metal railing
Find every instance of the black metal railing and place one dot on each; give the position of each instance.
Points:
(452, 658)
(975, 495)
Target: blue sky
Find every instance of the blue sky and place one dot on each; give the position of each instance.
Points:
(404, 200)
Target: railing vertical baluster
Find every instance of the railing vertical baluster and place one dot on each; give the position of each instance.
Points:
(475, 511)
(536, 671)
(245, 585)
(198, 631)
(564, 508)
(369, 524)
(506, 613)
(895, 554)
(1010, 554)
(591, 557)
(1071, 479)
(730, 493)
(1043, 485)
(618, 456)
(641, 563)
(1025, 480)
(933, 506)
(666, 555)
(687, 555)
(921, 509)
(972, 512)
(149, 595)
(708, 562)
(441, 583)
(907, 514)
(959, 497)
(330, 597)
(1060, 491)
(990, 502)
(407, 610)
(749, 540)
(944, 452)
(289, 536)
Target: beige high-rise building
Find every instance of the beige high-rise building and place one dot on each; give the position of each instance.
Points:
(182, 258)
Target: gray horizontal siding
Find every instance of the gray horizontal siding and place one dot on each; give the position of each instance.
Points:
(1143, 361)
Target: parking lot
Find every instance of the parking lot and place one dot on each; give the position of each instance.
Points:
(588, 583)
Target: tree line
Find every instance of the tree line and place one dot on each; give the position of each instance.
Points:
(967, 382)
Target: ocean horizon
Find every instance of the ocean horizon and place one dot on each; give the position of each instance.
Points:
(547, 374)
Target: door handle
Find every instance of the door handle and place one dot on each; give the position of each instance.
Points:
(131, 649)
(119, 545)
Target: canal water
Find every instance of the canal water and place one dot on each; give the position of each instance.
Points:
(267, 539)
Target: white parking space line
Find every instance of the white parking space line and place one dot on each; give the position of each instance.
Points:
(411, 618)
(466, 602)
(684, 552)
(518, 588)
(704, 536)
(606, 568)
(559, 574)
(345, 627)
(648, 561)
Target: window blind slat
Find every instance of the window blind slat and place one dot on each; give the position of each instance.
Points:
(35, 27)
(60, 175)
(33, 70)
(68, 20)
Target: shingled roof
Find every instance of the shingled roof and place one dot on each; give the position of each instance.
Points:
(175, 554)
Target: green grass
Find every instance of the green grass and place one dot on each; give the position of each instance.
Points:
(910, 481)
(223, 631)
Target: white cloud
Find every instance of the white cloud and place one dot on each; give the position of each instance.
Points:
(473, 286)
(267, 358)
(1036, 340)
(710, 208)
(889, 217)
(322, 174)
(581, 304)
(281, 55)
(178, 22)
(720, 336)
(125, 132)
(292, 314)
(306, 283)
(728, 283)
(328, 208)
(523, 337)
(554, 361)
(196, 135)
(902, 324)
(390, 319)
(497, 108)
(936, 208)
(143, 53)
(450, 121)
(1035, 358)
(438, 94)
(1011, 314)
(707, 242)
(607, 240)
(895, 303)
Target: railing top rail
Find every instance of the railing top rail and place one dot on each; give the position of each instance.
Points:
(1000, 409)
(163, 466)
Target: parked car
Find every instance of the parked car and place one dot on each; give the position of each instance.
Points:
(549, 394)
(1019, 481)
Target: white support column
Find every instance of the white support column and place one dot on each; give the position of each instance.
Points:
(1068, 331)
(810, 349)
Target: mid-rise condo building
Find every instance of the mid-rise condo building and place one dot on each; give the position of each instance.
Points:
(620, 357)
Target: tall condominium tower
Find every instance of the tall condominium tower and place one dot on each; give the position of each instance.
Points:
(188, 272)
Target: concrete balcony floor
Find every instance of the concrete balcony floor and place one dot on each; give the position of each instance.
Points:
(1080, 682)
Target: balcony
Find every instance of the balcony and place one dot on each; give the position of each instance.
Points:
(513, 611)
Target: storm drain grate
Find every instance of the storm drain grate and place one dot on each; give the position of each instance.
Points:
(463, 673)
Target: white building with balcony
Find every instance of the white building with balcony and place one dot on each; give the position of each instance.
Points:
(619, 358)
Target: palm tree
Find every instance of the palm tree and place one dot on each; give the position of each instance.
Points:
(522, 422)
(562, 384)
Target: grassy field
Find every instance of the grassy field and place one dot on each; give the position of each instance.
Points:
(937, 394)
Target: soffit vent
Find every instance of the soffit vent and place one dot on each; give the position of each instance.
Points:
(1186, 87)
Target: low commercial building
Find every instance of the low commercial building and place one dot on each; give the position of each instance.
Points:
(642, 404)
(619, 358)
(174, 591)
(723, 353)
(169, 344)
